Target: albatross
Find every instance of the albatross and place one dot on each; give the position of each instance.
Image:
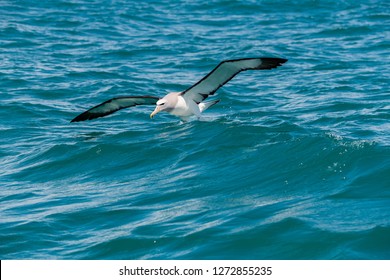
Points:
(190, 102)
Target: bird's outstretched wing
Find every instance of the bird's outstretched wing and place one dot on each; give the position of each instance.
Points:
(224, 72)
(110, 106)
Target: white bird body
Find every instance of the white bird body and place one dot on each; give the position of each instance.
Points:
(185, 108)
(191, 101)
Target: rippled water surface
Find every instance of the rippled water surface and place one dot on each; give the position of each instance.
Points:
(293, 163)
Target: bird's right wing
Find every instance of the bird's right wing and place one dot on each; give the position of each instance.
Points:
(110, 106)
(225, 71)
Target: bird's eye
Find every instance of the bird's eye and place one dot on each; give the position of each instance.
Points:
(161, 104)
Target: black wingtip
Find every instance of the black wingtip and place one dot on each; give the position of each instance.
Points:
(272, 62)
(79, 118)
(75, 120)
(84, 117)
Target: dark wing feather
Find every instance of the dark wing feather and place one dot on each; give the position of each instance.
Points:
(110, 106)
(225, 71)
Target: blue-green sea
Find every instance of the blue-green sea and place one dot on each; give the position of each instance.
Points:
(292, 163)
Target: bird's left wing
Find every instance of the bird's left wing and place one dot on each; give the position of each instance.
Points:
(110, 106)
(224, 72)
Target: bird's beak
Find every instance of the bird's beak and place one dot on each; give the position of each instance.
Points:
(155, 112)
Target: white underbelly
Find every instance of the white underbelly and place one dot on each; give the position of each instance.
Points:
(182, 109)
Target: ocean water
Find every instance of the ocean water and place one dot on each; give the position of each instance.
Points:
(293, 163)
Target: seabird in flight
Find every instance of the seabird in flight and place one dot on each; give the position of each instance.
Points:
(190, 102)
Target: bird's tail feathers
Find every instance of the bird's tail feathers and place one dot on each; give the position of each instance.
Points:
(205, 105)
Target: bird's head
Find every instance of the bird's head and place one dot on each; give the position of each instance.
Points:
(166, 104)
(161, 105)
